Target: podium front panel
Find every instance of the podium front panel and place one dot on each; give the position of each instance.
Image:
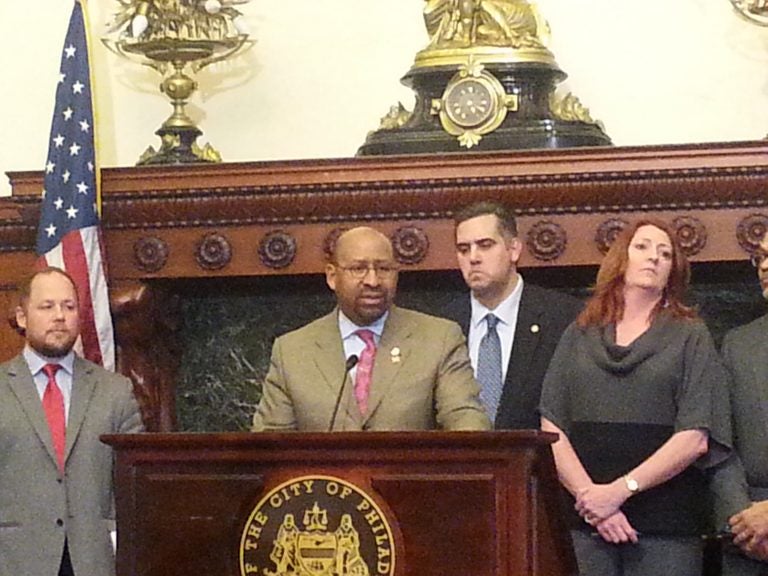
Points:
(364, 504)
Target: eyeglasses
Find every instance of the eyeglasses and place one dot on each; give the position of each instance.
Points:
(360, 271)
(758, 258)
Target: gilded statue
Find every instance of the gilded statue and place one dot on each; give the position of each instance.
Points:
(465, 23)
(754, 10)
(179, 19)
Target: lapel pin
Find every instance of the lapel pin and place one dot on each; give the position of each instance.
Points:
(535, 328)
(394, 355)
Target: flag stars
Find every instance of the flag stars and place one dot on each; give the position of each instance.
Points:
(43, 193)
(51, 230)
(74, 150)
(67, 113)
(62, 77)
(65, 176)
(90, 166)
(49, 167)
(59, 203)
(58, 141)
(84, 126)
(70, 51)
(77, 87)
(82, 187)
(72, 212)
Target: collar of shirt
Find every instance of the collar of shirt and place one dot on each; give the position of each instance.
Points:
(506, 312)
(64, 377)
(348, 328)
(353, 344)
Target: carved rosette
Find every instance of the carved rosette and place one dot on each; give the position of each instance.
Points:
(546, 240)
(607, 233)
(150, 253)
(277, 249)
(213, 251)
(410, 244)
(691, 234)
(750, 231)
(329, 242)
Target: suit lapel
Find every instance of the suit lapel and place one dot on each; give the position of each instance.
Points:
(83, 387)
(528, 329)
(23, 387)
(527, 337)
(392, 353)
(330, 360)
(760, 366)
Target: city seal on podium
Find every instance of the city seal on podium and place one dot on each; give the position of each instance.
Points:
(317, 526)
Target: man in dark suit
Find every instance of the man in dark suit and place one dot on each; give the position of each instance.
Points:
(411, 371)
(529, 320)
(56, 500)
(740, 485)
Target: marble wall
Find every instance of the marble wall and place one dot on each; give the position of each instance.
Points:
(229, 327)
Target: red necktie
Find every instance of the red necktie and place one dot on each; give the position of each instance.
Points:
(364, 370)
(53, 404)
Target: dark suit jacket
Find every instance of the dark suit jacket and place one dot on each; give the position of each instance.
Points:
(745, 354)
(39, 508)
(543, 317)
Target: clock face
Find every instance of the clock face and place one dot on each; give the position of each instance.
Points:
(469, 103)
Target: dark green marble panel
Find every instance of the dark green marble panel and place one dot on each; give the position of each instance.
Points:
(229, 326)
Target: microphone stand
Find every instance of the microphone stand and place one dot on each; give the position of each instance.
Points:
(350, 363)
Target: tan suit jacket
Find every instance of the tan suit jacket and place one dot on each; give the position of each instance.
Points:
(39, 508)
(422, 379)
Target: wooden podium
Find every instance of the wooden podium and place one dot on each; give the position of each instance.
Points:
(429, 503)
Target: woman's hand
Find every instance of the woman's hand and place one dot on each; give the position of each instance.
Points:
(596, 502)
(616, 529)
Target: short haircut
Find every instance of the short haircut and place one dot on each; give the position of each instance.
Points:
(506, 218)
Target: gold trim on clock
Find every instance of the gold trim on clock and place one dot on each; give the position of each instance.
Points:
(474, 103)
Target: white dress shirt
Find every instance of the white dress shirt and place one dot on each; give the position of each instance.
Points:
(353, 344)
(36, 361)
(506, 312)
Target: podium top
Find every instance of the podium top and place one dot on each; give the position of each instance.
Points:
(455, 440)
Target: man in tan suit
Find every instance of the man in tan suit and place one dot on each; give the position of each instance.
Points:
(56, 501)
(370, 365)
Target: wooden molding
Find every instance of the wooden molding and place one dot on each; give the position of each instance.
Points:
(249, 214)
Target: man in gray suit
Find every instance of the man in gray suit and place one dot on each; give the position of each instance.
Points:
(406, 370)
(741, 484)
(56, 500)
(530, 319)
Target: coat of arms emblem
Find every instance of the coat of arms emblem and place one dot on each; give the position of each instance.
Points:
(317, 526)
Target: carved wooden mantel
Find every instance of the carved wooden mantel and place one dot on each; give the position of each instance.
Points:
(270, 218)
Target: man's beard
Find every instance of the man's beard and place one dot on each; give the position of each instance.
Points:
(53, 351)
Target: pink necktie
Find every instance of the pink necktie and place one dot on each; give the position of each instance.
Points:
(364, 370)
(53, 404)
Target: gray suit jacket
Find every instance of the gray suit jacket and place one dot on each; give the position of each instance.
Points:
(39, 508)
(428, 384)
(745, 473)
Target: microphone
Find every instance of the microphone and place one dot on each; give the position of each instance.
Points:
(350, 363)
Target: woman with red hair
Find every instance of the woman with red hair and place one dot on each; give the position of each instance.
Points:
(630, 393)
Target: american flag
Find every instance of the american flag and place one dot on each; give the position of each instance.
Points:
(69, 235)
